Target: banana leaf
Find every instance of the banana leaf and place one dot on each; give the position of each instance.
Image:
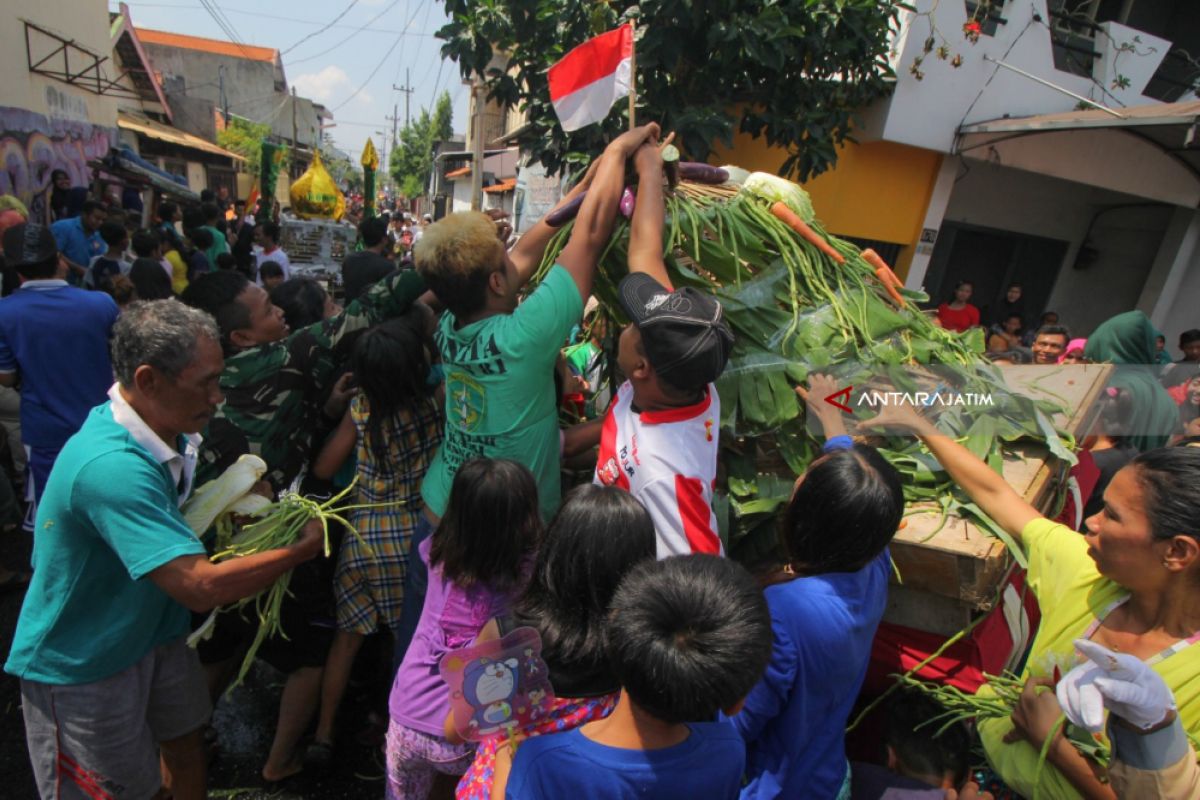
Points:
(795, 311)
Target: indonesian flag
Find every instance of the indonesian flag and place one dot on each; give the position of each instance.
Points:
(589, 79)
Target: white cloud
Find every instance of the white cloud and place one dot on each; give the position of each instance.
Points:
(328, 85)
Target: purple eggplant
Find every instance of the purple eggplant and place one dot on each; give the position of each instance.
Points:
(628, 201)
(564, 214)
(702, 173)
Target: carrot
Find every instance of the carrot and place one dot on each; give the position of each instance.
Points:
(885, 275)
(793, 221)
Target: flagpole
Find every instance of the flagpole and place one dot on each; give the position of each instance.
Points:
(632, 74)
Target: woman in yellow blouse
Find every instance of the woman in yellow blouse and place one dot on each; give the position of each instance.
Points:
(1130, 583)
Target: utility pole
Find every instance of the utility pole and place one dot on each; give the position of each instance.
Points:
(295, 134)
(393, 118)
(224, 98)
(478, 92)
(408, 90)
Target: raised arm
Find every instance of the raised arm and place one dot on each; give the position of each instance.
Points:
(646, 230)
(987, 489)
(527, 253)
(594, 224)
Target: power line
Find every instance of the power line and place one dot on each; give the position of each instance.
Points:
(224, 25)
(382, 61)
(366, 25)
(346, 10)
(190, 6)
(320, 23)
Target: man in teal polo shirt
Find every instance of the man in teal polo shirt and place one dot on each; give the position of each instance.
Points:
(107, 681)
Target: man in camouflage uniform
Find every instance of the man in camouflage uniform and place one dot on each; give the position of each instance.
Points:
(277, 382)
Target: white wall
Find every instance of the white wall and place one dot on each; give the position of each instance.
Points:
(928, 112)
(1172, 297)
(460, 198)
(1127, 239)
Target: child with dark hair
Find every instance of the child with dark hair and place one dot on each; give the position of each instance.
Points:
(660, 437)
(270, 275)
(226, 261)
(478, 558)
(845, 509)
(598, 535)
(104, 267)
(150, 280)
(393, 427)
(304, 302)
(921, 763)
(687, 637)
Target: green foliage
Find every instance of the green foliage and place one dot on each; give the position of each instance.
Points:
(245, 138)
(412, 157)
(793, 71)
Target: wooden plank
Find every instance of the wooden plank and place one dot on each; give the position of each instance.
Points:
(961, 564)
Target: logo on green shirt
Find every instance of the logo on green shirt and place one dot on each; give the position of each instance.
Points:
(466, 401)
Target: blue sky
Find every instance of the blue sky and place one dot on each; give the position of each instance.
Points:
(338, 59)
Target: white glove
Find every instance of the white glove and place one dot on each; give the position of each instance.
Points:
(1125, 684)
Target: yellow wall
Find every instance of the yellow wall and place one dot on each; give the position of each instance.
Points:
(878, 190)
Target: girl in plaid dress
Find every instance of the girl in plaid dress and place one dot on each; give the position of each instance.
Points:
(395, 426)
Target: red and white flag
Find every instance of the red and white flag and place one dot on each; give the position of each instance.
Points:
(589, 79)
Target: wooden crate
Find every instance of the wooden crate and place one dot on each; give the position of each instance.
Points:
(949, 575)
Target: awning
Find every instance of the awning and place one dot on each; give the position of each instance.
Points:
(462, 172)
(1148, 151)
(506, 185)
(165, 133)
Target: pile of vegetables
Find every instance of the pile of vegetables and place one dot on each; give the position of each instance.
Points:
(801, 301)
(247, 523)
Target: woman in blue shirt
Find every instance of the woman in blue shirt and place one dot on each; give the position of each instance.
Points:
(845, 509)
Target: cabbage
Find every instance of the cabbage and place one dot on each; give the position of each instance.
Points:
(775, 189)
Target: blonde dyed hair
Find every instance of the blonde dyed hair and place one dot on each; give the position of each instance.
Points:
(456, 255)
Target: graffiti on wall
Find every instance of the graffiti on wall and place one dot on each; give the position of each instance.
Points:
(32, 146)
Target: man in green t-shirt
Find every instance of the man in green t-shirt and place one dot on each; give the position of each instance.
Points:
(498, 355)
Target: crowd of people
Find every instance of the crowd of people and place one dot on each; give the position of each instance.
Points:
(435, 391)
(1009, 341)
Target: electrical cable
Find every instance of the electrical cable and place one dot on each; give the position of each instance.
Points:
(193, 6)
(346, 10)
(366, 25)
(378, 66)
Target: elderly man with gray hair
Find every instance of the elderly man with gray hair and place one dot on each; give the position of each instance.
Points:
(107, 681)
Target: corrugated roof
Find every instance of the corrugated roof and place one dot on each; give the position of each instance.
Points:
(165, 133)
(216, 46)
(506, 185)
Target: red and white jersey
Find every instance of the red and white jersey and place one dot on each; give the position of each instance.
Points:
(668, 461)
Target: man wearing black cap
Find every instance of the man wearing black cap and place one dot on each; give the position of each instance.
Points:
(55, 338)
(659, 438)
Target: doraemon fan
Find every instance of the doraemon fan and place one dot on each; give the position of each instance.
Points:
(497, 686)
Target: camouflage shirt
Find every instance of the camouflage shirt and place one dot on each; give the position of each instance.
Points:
(275, 393)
